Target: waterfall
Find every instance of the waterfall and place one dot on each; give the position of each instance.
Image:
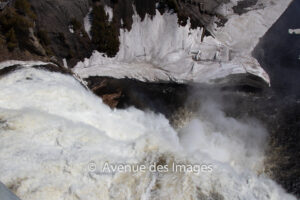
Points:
(56, 136)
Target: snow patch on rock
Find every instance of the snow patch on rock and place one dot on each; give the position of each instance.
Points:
(242, 32)
(109, 12)
(294, 31)
(87, 23)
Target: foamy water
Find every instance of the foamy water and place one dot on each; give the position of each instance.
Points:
(52, 129)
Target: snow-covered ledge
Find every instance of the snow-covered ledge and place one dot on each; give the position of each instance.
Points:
(159, 50)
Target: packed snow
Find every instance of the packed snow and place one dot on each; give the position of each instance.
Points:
(87, 23)
(71, 29)
(109, 12)
(242, 32)
(158, 49)
(55, 136)
(294, 31)
(65, 63)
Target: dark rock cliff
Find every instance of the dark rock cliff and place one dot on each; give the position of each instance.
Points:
(55, 18)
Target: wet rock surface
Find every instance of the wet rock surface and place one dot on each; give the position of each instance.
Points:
(54, 17)
(242, 6)
(163, 98)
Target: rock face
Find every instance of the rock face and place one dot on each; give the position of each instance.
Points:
(55, 17)
(200, 12)
(163, 98)
(44, 29)
(35, 44)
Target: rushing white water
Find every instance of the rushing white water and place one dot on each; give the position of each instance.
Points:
(55, 136)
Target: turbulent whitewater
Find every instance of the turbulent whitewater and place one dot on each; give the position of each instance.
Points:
(52, 129)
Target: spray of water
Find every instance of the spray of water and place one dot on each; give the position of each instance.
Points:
(55, 135)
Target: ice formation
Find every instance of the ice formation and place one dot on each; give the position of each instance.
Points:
(242, 32)
(160, 50)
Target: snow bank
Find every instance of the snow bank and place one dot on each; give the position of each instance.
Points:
(242, 32)
(109, 12)
(294, 31)
(55, 135)
(159, 50)
(87, 23)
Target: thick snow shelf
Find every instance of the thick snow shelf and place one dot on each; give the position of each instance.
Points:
(242, 32)
(159, 50)
(294, 31)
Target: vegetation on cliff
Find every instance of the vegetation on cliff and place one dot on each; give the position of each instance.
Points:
(15, 23)
(23, 7)
(12, 23)
(12, 41)
(104, 34)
